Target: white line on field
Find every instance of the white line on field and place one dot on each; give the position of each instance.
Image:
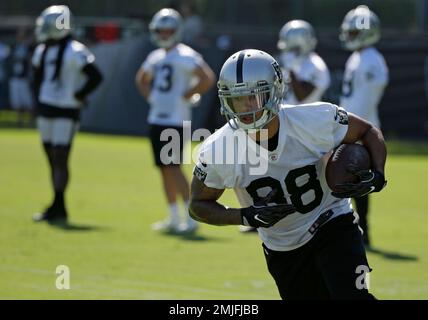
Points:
(105, 279)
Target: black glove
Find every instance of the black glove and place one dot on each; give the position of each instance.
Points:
(262, 215)
(369, 181)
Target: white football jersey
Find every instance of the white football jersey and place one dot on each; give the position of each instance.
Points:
(364, 81)
(172, 76)
(312, 69)
(60, 92)
(296, 169)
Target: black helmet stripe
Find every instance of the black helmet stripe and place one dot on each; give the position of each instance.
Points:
(239, 65)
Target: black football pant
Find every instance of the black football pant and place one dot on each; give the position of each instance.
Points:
(330, 266)
(362, 206)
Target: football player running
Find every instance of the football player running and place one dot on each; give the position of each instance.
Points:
(308, 75)
(65, 74)
(364, 81)
(313, 247)
(171, 79)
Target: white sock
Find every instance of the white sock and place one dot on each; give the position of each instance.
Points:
(173, 212)
(190, 221)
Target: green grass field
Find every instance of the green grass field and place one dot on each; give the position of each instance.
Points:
(114, 197)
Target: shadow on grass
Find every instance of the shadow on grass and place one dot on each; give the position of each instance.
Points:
(390, 255)
(189, 236)
(197, 237)
(68, 226)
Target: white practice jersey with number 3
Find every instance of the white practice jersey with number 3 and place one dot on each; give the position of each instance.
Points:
(296, 169)
(172, 76)
(365, 79)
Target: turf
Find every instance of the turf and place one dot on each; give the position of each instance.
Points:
(115, 195)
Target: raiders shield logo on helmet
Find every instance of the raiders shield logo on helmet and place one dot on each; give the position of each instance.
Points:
(278, 71)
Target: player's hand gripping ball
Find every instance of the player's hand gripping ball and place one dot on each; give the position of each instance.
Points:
(348, 172)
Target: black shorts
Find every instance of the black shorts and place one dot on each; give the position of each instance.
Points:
(57, 125)
(330, 266)
(172, 154)
(48, 111)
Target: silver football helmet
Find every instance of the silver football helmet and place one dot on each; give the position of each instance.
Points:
(360, 28)
(297, 36)
(54, 23)
(166, 19)
(250, 88)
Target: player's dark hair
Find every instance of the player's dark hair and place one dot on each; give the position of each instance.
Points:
(58, 63)
(62, 45)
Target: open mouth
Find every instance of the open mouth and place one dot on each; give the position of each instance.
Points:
(246, 119)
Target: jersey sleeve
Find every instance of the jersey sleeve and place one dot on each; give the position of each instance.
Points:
(83, 56)
(192, 61)
(339, 125)
(210, 169)
(149, 64)
(319, 126)
(208, 173)
(317, 75)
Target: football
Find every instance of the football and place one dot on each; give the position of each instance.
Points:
(345, 156)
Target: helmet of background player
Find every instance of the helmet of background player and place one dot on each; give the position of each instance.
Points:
(360, 28)
(297, 36)
(165, 28)
(250, 89)
(54, 23)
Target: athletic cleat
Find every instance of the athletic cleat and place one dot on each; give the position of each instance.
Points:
(39, 217)
(50, 215)
(166, 226)
(245, 229)
(188, 228)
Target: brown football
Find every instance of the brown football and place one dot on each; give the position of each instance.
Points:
(345, 156)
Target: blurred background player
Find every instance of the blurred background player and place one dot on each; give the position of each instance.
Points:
(4, 55)
(171, 79)
(193, 26)
(65, 75)
(365, 79)
(308, 74)
(21, 97)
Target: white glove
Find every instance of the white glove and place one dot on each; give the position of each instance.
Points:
(194, 100)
